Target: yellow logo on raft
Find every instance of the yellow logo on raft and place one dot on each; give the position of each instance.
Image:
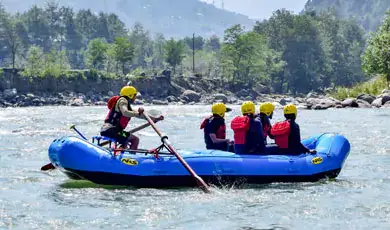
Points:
(316, 160)
(129, 161)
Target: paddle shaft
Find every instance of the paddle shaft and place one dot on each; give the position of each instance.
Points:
(74, 128)
(164, 139)
(131, 131)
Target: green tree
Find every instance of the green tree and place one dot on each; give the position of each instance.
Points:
(96, 53)
(376, 58)
(9, 30)
(35, 62)
(124, 52)
(245, 55)
(174, 51)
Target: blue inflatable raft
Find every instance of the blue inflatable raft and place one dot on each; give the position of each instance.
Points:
(80, 159)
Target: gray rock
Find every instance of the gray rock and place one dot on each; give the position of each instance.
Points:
(366, 97)
(363, 103)
(100, 103)
(350, 102)
(219, 97)
(171, 99)
(339, 106)
(312, 95)
(386, 105)
(319, 107)
(318, 103)
(77, 102)
(243, 93)
(287, 100)
(190, 96)
(385, 91)
(385, 98)
(377, 102)
(158, 102)
(10, 93)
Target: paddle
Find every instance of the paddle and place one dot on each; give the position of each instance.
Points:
(164, 139)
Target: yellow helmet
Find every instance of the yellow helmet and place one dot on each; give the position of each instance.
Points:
(248, 107)
(290, 109)
(128, 91)
(267, 108)
(219, 109)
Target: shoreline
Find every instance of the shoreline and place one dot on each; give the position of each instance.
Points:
(11, 98)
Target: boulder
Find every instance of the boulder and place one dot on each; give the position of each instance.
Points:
(219, 97)
(350, 102)
(317, 103)
(319, 107)
(385, 91)
(366, 97)
(190, 96)
(172, 99)
(377, 102)
(259, 88)
(386, 105)
(385, 98)
(159, 102)
(77, 102)
(363, 104)
(10, 93)
(287, 100)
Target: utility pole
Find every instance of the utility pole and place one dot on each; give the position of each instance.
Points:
(193, 53)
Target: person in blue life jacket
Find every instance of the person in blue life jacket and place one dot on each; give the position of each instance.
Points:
(215, 129)
(266, 112)
(287, 133)
(248, 131)
(119, 115)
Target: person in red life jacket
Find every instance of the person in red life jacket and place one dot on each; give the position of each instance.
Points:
(266, 112)
(215, 129)
(248, 131)
(119, 116)
(287, 134)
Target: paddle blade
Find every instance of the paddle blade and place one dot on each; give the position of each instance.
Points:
(47, 167)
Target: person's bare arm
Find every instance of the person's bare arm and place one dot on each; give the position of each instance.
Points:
(122, 106)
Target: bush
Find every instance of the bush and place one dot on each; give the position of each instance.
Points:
(373, 87)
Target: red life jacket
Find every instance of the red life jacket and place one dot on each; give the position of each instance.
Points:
(281, 131)
(114, 117)
(240, 126)
(221, 132)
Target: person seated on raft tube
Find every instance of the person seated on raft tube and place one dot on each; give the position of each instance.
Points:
(266, 112)
(119, 116)
(215, 129)
(287, 134)
(248, 131)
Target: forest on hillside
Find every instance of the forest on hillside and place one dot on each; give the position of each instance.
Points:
(368, 13)
(176, 19)
(287, 53)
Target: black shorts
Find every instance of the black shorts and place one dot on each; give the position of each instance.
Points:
(120, 136)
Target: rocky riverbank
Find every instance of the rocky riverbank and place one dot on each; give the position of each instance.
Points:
(11, 98)
(83, 88)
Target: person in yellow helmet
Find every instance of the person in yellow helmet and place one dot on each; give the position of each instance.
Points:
(287, 134)
(119, 116)
(266, 112)
(215, 129)
(248, 131)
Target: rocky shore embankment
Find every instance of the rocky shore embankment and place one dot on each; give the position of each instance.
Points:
(160, 90)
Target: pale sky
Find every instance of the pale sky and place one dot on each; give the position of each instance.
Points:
(260, 9)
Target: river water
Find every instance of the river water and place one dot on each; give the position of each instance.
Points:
(30, 199)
